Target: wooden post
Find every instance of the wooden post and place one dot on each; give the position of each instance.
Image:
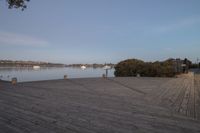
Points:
(138, 75)
(14, 81)
(65, 76)
(103, 76)
(106, 72)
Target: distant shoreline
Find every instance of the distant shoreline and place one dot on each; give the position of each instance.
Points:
(11, 63)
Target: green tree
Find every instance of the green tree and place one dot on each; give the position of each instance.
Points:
(17, 4)
(168, 68)
(128, 67)
(132, 67)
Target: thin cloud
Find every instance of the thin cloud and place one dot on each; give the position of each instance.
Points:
(7, 38)
(169, 49)
(177, 25)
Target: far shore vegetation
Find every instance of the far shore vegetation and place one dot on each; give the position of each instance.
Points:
(167, 68)
(12, 63)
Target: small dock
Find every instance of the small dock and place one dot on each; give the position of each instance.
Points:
(102, 105)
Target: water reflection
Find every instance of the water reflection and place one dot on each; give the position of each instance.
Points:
(46, 73)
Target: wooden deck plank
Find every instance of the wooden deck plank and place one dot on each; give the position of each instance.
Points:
(96, 105)
(197, 95)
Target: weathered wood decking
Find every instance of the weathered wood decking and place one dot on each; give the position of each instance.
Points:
(120, 105)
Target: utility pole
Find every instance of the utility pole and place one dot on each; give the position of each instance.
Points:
(198, 63)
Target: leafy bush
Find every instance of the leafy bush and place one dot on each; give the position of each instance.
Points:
(128, 67)
(132, 67)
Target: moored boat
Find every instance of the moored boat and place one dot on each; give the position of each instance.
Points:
(36, 67)
(83, 67)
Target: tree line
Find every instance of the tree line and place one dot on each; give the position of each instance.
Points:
(168, 68)
(21, 4)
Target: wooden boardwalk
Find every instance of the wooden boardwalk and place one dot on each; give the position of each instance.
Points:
(97, 105)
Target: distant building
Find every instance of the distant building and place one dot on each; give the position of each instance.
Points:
(178, 65)
(181, 66)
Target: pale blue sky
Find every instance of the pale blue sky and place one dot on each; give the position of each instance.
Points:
(99, 31)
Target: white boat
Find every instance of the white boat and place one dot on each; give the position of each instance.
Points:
(83, 67)
(36, 67)
(106, 67)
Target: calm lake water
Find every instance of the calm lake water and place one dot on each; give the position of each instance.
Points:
(29, 74)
